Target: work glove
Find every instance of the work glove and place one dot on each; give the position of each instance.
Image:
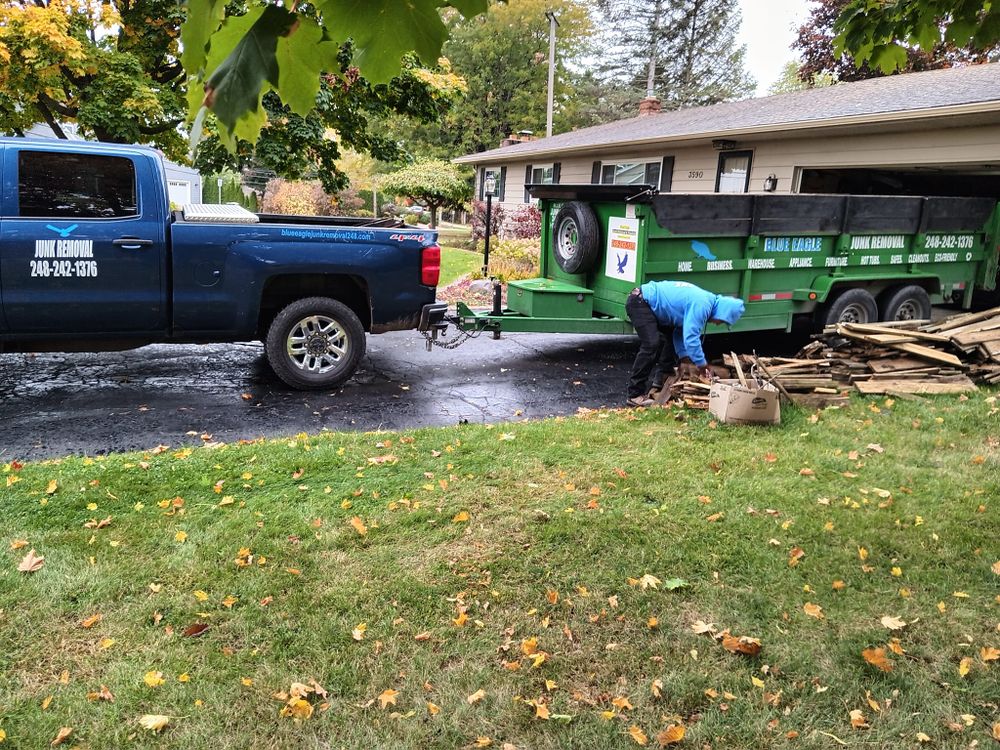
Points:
(687, 371)
(706, 373)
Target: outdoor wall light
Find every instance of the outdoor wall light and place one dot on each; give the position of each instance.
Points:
(490, 184)
(770, 183)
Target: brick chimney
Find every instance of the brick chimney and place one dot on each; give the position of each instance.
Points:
(649, 106)
(521, 136)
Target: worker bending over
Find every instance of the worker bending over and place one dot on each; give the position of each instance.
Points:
(670, 317)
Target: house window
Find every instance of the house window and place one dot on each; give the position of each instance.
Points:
(542, 175)
(734, 172)
(497, 173)
(633, 173)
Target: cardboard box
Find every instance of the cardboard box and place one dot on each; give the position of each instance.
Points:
(731, 403)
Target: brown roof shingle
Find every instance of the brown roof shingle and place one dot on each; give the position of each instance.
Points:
(873, 99)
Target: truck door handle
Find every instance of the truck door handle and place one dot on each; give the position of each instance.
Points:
(131, 243)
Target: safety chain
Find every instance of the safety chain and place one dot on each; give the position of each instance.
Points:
(456, 342)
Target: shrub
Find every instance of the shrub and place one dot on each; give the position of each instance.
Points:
(524, 223)
(479, 219)
(512, 259)
(301, 198)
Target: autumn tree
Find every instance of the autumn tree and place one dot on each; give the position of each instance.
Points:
(110, 68)
(684, 51)
(822, 54)
(434, 184)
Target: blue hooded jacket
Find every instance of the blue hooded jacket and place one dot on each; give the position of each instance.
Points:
(688, 309)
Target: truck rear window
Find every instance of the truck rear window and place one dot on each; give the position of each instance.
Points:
(75, 185)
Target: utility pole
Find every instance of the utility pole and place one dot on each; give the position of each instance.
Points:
(552, 69)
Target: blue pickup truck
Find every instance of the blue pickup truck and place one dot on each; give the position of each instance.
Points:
(93, 259)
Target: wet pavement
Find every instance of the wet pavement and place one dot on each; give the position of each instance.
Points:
(57, 404)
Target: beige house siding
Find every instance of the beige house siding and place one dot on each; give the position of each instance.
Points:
(695, 165)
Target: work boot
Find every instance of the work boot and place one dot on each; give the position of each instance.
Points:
(641, 401)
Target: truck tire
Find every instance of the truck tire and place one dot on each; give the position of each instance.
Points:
(315, 343)
(906, 303)
(576, 237)
(851, 306)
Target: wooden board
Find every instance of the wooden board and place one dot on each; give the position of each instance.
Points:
(871, 387)
(971, 338)
(927, 353)
(896, 364)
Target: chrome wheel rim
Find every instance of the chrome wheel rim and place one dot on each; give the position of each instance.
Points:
(317, 344)
(567, 238)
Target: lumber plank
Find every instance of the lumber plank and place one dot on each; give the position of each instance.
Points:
(873, 387)
(896, 364)
(957, 321)
(881, 328)
(927, 353)
(972, 338)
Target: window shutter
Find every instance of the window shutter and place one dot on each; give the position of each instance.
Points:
(667, 174)
(482, 183)
(503, 183)
(527, 181)
(595, 173)
(556, 171)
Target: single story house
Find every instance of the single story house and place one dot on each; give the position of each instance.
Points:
(931, 133)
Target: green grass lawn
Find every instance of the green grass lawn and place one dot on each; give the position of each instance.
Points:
(456, 263)
(557, 568)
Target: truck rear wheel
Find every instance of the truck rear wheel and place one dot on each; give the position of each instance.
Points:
(315, 343)
(576, 237)
(851, 306)
(907, 303)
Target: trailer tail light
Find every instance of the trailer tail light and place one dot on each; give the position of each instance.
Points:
(430, 265)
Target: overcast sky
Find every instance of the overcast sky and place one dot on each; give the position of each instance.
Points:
(768, 30)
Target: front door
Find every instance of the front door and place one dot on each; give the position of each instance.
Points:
(83, 247)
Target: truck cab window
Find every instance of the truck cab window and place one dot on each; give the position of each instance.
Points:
(54, 185)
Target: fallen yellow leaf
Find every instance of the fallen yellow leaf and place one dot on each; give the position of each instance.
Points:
(813, 610)
(432, 709)
(964, 666)
(64, 732)
(359, 526)
(988, 653)
(476, 697)
(153, 722)
(31, 563)
(638, 735)
(878, 658)
(153, 679)
(622, 703)
(672, 735)
(460, 517)
(89, 622)
(181, 536)
(893, 623)
(858, 720)
(388, 697)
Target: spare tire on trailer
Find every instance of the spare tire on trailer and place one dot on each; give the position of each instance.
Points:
(576, 237)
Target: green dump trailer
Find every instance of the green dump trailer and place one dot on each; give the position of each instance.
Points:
(827, 258)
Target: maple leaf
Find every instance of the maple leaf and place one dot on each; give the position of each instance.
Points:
(838, 585)
(715, 517)
(476, 697)
(622, 703)
(893, 623)
(638, 735)
(483, 741)
(432, 709)
(89, 622)
(153, 679)
(794, 555)
(388, 697)
(741, 644)
(858, 720)
(648, 581)
(181, 537)
(297, 708)
(460, 517)
(657, 688)
(671, 735)
(201, 596)
(529, 646)
(996, 731)
(31, 563)
(64, 732)
(424, 636)
(921, 737)
(964, 666)
(996, 568)
(878, 658)
(700, 626)
(541, 710)
(896, 647)
(154, 722)
(988, 653)
(359, 526)
(16, 544)
(101, 695)
(813, 610)
(50, 489)
(358, 633)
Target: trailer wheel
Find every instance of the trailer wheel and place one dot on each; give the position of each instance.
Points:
(907, 303)
(851, 306)
(315, 343)
(576, 237)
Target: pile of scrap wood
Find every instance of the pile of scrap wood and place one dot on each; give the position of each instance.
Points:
(902, 358)
(899, 357)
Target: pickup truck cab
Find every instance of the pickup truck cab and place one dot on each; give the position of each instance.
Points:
(93, 259)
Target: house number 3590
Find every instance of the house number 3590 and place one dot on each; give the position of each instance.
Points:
(696, 175)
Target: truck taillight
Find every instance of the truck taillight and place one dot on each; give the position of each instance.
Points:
(430, 265)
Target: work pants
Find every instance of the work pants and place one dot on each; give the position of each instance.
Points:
(656, 346)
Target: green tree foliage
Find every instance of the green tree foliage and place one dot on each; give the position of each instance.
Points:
(503, 57)
(885, 33)
(110, 69)
(692, 44)
(790, 81)
(233, 62)
(822, 52)
(433, 184)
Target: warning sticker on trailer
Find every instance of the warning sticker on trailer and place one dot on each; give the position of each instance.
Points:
(623, 249)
